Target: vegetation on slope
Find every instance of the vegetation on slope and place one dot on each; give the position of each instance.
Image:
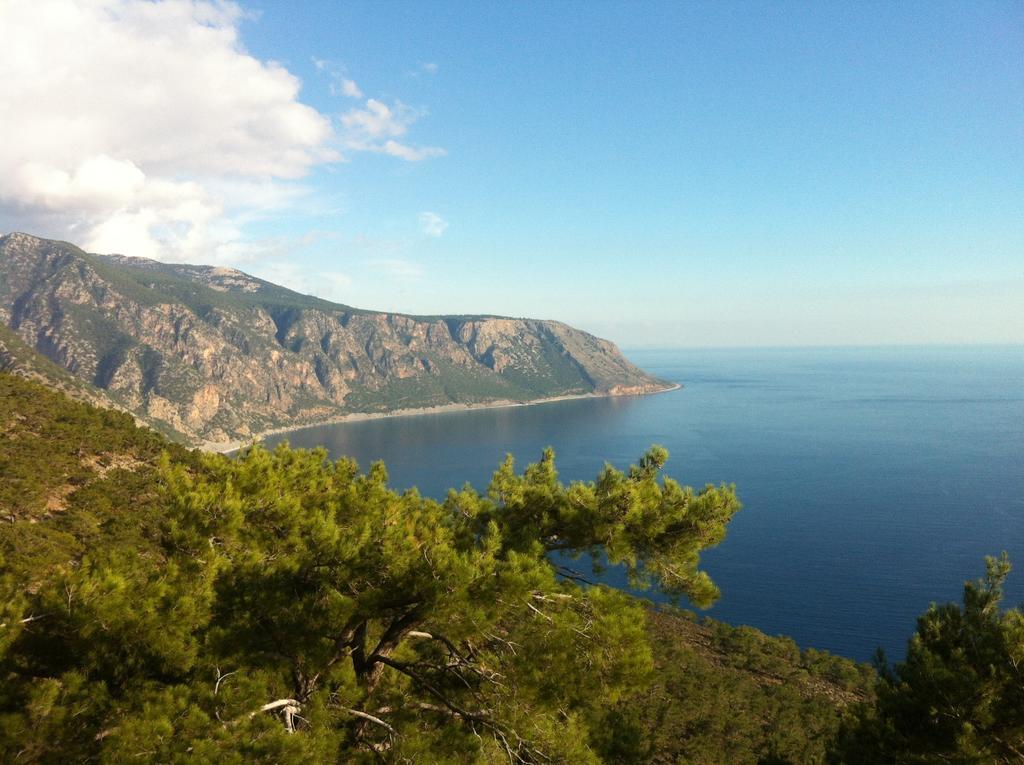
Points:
(959, 694)
(18, 358)
(161, 605)
(723, 694)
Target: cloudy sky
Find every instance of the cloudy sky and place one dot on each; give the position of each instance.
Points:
(671, 174)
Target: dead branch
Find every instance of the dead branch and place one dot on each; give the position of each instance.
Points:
(459, 660)
(220, 679)
(515, 754)
(370, 718)
(26, 620)
(539, 612)
(290, 708)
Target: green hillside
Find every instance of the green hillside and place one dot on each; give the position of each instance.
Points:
(168, 606)
(123, 605)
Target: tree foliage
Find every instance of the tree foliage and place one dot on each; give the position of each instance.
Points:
(281, 607)
(731, 695)
(159, 605)
(959, 695)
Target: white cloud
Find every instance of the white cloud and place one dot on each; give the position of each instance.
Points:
(427, 67)
(409, 153)
(378, 120)
(329, 285)
(145, 127)
(341, 84)
(350, 89)
(376, 127)
(432, 224)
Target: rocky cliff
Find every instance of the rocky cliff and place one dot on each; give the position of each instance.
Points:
(214, 354)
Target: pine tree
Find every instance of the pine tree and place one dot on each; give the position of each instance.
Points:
(280, 607)
(959, 695)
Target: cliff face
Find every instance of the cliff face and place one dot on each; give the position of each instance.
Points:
(215, 354)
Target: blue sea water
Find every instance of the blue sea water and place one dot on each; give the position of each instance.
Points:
(874, 480)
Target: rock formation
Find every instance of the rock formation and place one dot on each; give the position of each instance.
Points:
(215, 354)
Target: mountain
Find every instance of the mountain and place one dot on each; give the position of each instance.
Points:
(213, 354)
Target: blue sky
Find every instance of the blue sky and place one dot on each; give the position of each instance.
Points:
(663, 174)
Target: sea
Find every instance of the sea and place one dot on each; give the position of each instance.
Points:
(873, 480)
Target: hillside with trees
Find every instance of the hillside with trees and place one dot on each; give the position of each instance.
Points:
(165, 605)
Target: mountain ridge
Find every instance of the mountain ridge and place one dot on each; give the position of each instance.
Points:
(215, 355)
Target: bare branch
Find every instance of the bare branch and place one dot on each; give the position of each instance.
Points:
(459, 660)
(290, 708)
(220, 679)
(369, 717)
(551, 597)
(497, 730)
(26, 620)
(539, 612)
(270, 706)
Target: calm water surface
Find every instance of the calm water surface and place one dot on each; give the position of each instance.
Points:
(873, 480)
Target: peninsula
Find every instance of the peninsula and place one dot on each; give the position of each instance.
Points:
(213, 356)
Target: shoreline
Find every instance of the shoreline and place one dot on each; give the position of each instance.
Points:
(227, 447)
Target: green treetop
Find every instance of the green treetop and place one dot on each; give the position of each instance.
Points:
(959, 695)
(286, 608)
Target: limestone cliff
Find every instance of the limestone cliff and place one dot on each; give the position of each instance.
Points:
(214, 354)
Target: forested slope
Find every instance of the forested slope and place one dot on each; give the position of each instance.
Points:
(162, 605)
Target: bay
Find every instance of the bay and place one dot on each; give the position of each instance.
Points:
(874, 480)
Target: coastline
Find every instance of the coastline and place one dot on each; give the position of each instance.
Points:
(227, 447)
